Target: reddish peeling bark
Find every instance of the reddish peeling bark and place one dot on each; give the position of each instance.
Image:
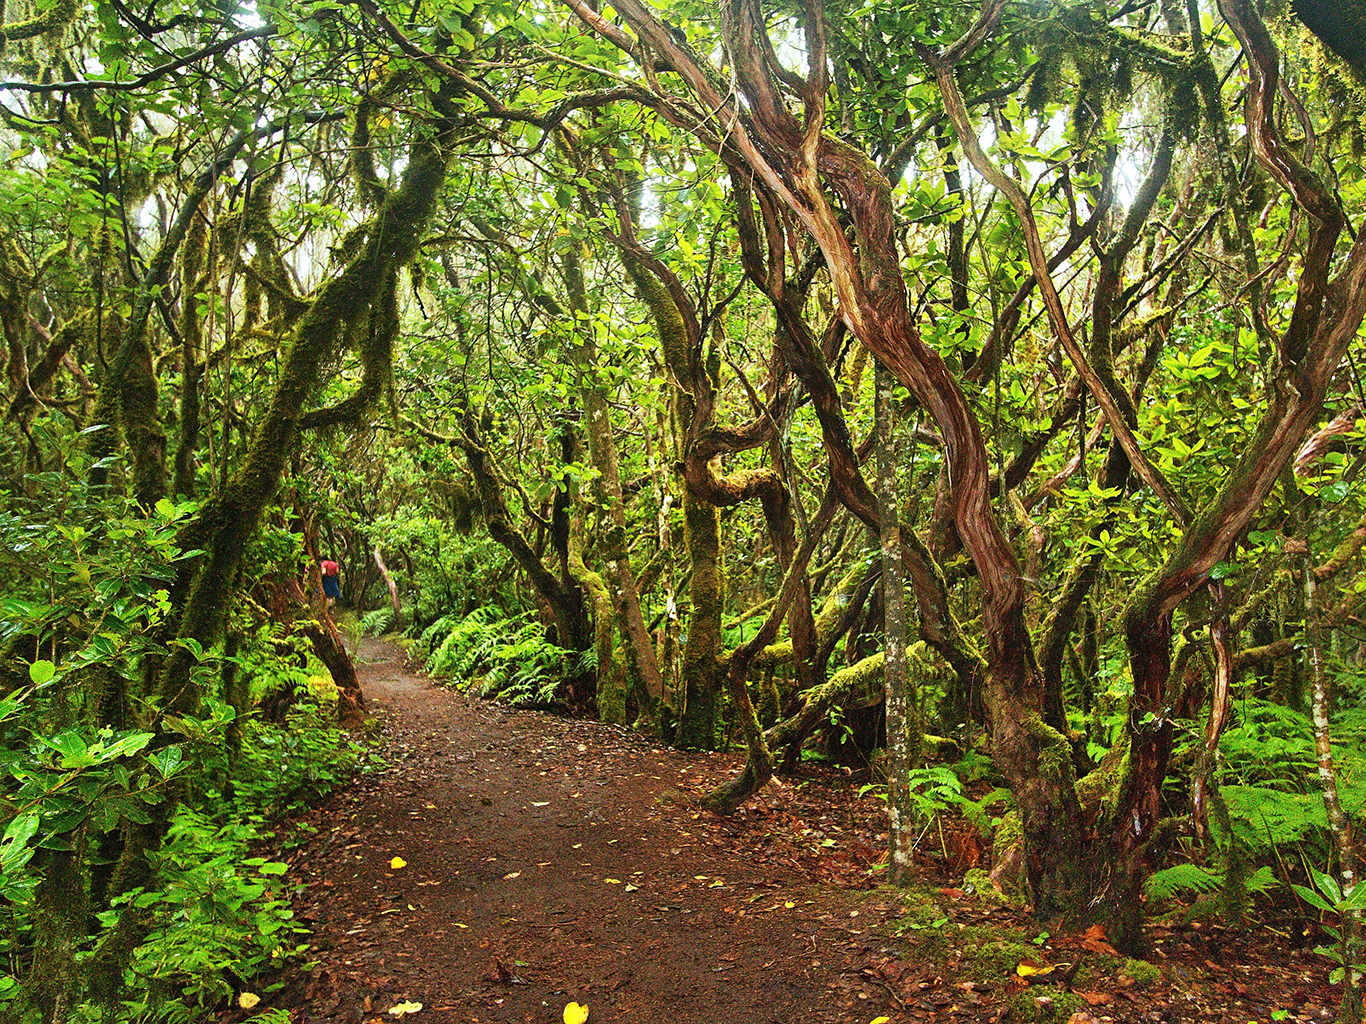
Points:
(794, 161)
(1326, 316)
(791, 164)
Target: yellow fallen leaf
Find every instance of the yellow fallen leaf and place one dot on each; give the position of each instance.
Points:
(575, 1014)
(789, 905)
(881, 1020)
(404, 1008)
(398, 862)
(247, 1000)
(612, 881)
(1025, 970)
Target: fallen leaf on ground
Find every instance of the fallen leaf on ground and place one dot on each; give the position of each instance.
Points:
(880, 1020)
(575, 1014)
(247, 1000)
(404, 1008)
(398, 862)
(1097, 998)
(1027, 970)
(511, 875)
(1093, 939)
(612, 881)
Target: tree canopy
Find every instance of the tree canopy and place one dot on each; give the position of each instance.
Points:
(645, 362)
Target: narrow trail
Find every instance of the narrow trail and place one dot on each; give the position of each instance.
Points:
(550, 860)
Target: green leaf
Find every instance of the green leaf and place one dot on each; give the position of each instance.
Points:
(41, 672)
(1312, 898)
(1326, 884)
(14, 848)
(168, 761)
(129, 744)
(71, 747)
(1355, 900)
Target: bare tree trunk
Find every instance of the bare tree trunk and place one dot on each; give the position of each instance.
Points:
(388, 581)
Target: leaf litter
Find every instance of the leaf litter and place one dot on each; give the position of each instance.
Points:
(783, 895)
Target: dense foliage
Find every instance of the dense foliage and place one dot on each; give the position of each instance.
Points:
(981, 381)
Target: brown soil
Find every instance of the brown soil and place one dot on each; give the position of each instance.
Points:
(551, 860)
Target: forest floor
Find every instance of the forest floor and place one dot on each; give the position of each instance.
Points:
(507, 863)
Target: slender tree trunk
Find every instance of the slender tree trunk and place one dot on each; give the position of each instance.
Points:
(1339, 825)
(903, 725)
(388, 581)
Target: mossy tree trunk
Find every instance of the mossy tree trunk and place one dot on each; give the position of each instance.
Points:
(610, 504)
(700, 446)
(132, 377)
(698, 717)
(226, 523)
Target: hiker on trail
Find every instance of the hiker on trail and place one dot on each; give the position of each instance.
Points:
(330, 573)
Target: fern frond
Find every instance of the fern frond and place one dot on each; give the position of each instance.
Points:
(1262, 880)
(1272, 817)
(1164, 884)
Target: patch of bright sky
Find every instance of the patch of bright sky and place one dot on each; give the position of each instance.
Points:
(247, 16)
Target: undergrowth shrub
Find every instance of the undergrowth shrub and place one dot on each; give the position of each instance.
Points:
(508, 658)
(282, 767)
(1267, 816)
(221, 919)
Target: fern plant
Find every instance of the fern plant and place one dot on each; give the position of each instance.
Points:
(1191, 879)
(466, 645)
(377, 622)
(526, 669)
(510, 658)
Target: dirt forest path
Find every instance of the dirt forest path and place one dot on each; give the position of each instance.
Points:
(549, 860)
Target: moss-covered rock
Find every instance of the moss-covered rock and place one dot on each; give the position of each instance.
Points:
(991, 956)
(979, 883)
(1143, 973)
(1104, 969)
(1043, 1003)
